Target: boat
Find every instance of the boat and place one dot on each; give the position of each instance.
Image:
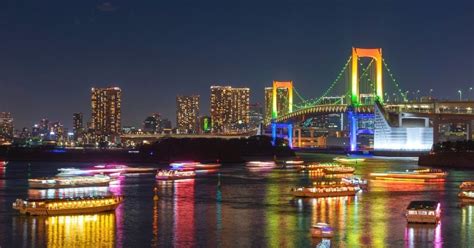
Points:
(200, 166)
(423, 212)
(174, 174)
(80, 205)
(466, 196)
(354, 180)
(261, 164)
(69, 182)
(294, 162)
(321, 230)
(3, 163)
(347, 160)
(467, 186)
(117, 168)
(113, 172)
(187, 166)
(339, 170)
(326, 190)
(317, 166)
(424, 175)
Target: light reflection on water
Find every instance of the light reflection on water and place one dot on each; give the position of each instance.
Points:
(249, 209)
(96, 230)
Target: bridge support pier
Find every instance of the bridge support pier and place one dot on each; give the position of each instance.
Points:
(353, 130)
(289, 128)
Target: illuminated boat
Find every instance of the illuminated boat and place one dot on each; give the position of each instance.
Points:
(354, 180)
(317, 166)
(423, 212)
(67, 206)
(467, 186)
(339, 170)
(69, 182)
(187, 166)
(3, 163)
(117, 168)
(346, 160)
(466, 196)
(113, 172)
(174, 174)
(322, 230)
(261, 164)
(326, 190)
(200, 166)
(411, 176)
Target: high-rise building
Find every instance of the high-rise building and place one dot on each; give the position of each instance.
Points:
(229, 109)
(56, 131)
(150, 124)
(77, 125)
(106, 113)
(187, 112)
(6, 127)
(282, 102)
(255, 116)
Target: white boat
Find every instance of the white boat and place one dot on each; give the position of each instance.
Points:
(322, 230)
(184, 165)
(354, 180)
(423, 212)
(69, 182)
(174, 174)
(261, 164)
(348, 160)
(67, 206)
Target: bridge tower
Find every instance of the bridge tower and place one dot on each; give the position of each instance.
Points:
(376, 54)
(281, 85)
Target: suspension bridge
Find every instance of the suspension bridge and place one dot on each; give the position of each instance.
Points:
(354, 94)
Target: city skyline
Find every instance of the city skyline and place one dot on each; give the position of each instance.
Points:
(305, 42)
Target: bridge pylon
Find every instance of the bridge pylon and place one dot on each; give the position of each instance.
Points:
(376, 54)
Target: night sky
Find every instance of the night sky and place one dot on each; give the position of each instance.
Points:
(53, 52)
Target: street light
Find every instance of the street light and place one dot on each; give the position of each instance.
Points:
(460, 95)
(470, 89)
(431, 93)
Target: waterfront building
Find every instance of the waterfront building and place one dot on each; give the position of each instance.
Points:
(77, 126)
(187, 112)
(229, 109)
(56, 132)
(106, 113)
(6, 127)
(408, 133)
(205, 124)
(150, 124)
(255, 116)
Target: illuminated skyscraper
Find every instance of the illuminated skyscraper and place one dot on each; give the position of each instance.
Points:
(229, 109)
(6, 127)
(187, 112)
(282, 102)
(77, 125)
(106, 113)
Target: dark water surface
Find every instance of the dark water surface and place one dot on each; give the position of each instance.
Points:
(250, 209)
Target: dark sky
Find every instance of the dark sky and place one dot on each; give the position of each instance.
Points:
(53, 52)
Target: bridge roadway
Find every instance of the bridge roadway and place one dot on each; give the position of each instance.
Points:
(435, 107)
